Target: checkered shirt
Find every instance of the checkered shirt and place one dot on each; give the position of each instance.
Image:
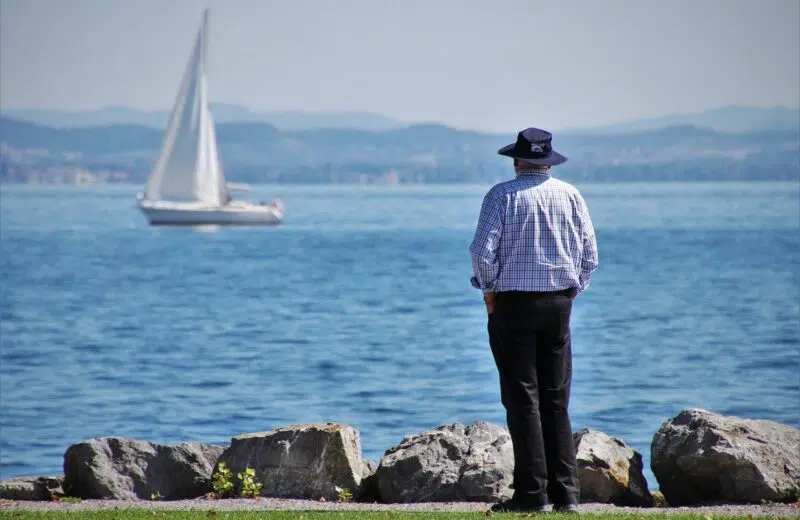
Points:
(534, 233)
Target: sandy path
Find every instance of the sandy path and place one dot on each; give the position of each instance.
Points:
(262, 504)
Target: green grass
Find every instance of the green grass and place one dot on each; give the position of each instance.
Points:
(141, 514)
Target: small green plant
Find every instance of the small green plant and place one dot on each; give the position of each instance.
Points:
(343, 494)
(155, 496)
(250, 486)
(221, 481)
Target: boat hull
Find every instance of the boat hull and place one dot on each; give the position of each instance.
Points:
(176, 214)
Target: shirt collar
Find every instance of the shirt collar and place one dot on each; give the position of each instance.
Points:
(534, 172)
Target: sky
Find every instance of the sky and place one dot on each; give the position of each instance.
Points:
(496, 65)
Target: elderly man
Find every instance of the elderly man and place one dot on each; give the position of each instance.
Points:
(534, 251)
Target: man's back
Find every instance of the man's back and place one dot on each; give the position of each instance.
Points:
(534, 234)
(534, 249)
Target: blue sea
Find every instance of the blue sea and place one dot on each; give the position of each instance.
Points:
(359, 310)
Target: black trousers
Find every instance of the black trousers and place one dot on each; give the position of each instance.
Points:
(529, 334)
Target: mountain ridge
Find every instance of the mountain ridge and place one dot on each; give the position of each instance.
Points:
(734, 119)
(223, 113)
(729, 119)
(422, 152)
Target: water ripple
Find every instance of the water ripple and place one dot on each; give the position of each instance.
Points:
(366, 316)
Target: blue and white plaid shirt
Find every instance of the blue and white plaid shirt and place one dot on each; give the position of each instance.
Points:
(534, 234)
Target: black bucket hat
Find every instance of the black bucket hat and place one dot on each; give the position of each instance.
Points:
(534, 146)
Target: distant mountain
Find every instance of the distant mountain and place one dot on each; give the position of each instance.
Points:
(332, 144)
(299, 120)
(725, 119)
(223, 113)
(260, 152)
(18, 134)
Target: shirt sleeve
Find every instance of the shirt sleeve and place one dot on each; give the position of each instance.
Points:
(589, 260)
(485, 265)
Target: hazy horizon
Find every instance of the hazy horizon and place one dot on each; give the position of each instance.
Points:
(165, 112)
(498, 67)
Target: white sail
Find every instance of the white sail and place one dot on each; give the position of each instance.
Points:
(187, 185)
(188, 166)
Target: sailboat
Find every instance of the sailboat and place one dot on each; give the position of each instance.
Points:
(187, 185)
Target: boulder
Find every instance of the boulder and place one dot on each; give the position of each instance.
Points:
(128, 469)
(609, 471)
(32, 488)
(452, 462)
(659, 500)
(701, 457)
(301, 461)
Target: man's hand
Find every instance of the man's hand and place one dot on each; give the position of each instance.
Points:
(489, 298)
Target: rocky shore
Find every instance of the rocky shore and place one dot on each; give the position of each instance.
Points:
(720, 464)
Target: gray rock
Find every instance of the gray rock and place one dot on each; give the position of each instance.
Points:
(301, 461)
(700, 457)
(451, 463)
(128, 469)
(658, 499)
(32, 488)
(609, 471)
(368, 492)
